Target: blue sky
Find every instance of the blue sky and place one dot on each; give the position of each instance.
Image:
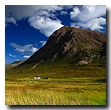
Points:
(28, 27)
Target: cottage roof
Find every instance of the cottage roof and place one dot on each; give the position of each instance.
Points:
(36, 76)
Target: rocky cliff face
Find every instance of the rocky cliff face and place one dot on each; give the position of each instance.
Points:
(70, 41)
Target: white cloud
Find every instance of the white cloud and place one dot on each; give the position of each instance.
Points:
(34, 49)
(94, 24)
(89, 12)
(25, 48)
(75, 12)
(43, 42)
(75, 25)
(26, 56)
(90, 17)
(46, 25)
(90, 8)
(12, 55)
(10, 20)
(44, 17)
(18, 12)
(63, 12)
(44, 13)
(40, 16)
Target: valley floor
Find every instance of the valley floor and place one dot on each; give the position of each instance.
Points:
(68, 91)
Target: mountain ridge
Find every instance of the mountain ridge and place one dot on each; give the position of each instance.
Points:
(68, 41)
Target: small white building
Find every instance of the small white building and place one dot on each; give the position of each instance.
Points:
(36, 77)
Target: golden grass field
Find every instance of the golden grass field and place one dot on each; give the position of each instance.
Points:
(69, 91)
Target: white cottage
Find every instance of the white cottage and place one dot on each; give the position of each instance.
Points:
(36, 77)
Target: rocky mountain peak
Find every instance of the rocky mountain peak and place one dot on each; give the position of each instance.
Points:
(70, 41)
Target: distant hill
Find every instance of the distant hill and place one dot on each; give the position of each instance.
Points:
(16, 63)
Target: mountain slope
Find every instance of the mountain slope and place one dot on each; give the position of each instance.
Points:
(70, 41)
(69, 52)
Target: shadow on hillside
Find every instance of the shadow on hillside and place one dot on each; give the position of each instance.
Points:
(103, 50)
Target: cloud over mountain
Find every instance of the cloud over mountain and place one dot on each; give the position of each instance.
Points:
(46, 25)
(43, 42)
(38, 16)
(89, 16)
(44, 17)
(26, 56)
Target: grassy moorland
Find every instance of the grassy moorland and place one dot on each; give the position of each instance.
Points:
(68, 84)
(55, 92)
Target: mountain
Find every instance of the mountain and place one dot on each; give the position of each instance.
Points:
(69, 52)
(82, 44)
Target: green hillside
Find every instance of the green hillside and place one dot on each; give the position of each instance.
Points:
(58, 69)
